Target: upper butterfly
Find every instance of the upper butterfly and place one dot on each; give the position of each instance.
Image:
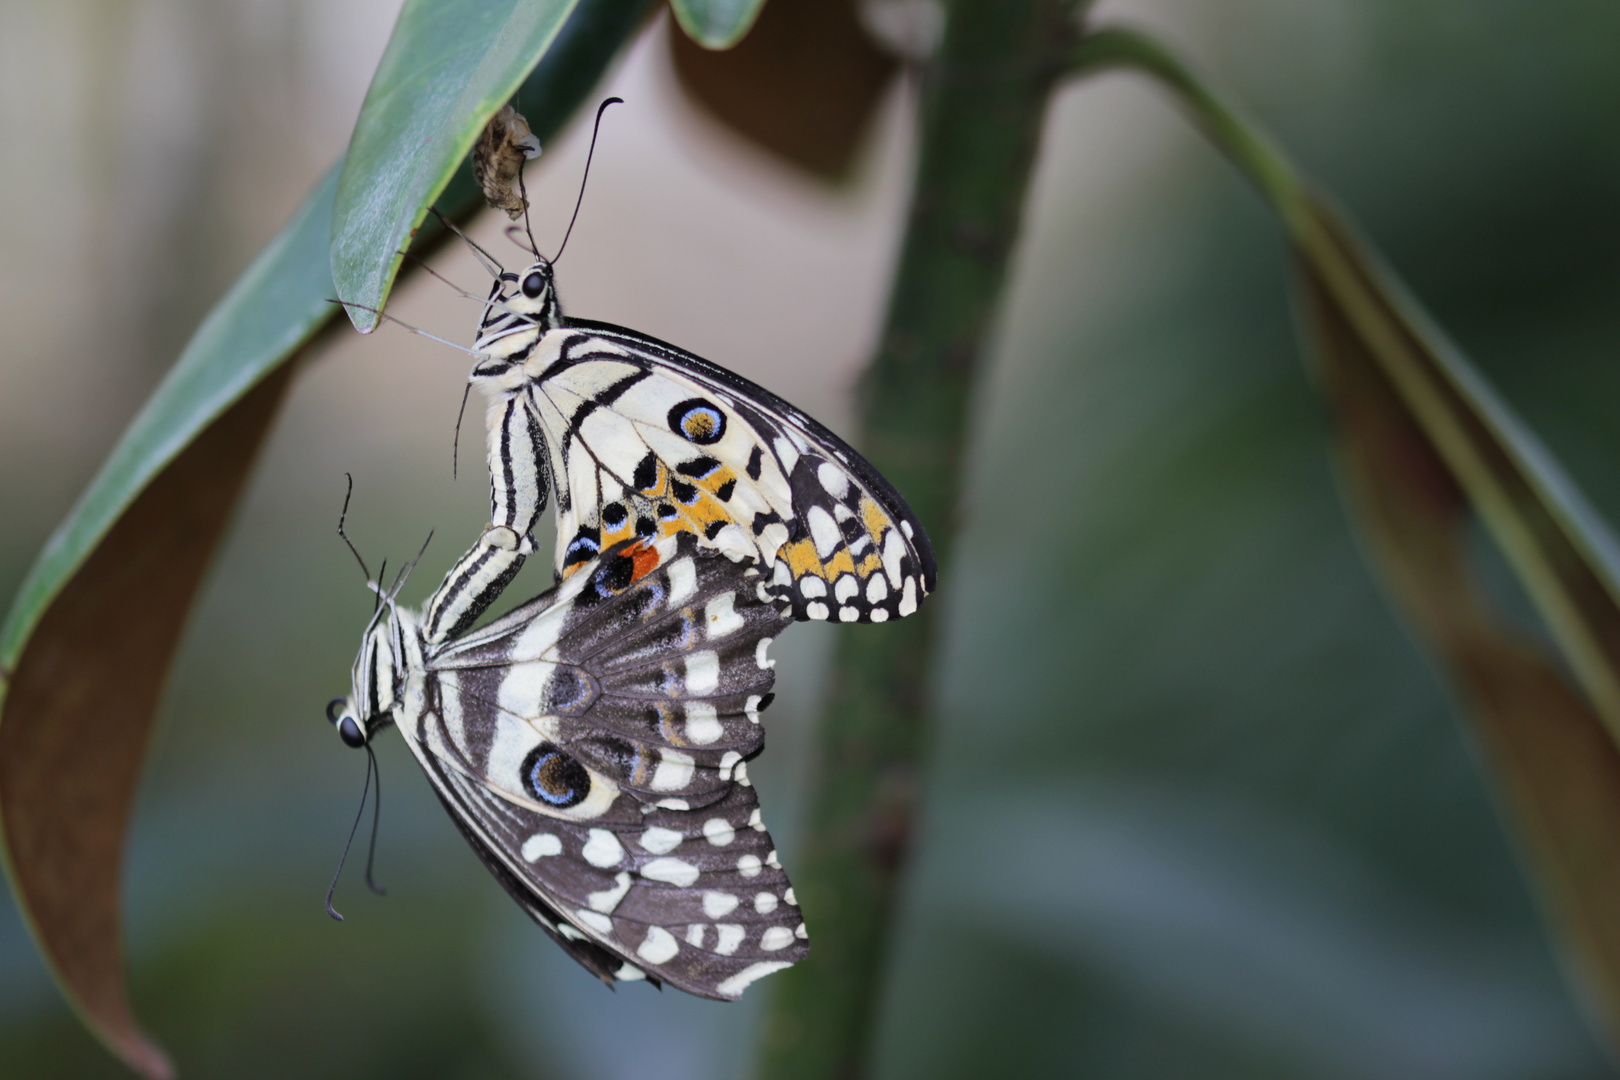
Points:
(642, 439)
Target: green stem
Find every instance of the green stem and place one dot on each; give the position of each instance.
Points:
(1238, 137)
(984, 100)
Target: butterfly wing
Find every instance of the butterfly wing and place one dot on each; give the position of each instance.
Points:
(591, 745)
(648, 440)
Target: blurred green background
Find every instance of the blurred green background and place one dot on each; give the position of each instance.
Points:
(1198, 806)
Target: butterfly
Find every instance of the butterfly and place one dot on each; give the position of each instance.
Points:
(639, 440)
(592, 746)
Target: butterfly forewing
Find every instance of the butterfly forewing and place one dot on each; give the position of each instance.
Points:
(593, 743)
(647, 440)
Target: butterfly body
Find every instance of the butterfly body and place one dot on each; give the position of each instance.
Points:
(592, 746)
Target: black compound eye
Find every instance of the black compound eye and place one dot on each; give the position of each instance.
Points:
(335, 707)
(699, 421)
(534, 285)
(555, 778)
(350, 733)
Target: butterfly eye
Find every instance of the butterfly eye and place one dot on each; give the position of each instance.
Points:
(335, 707)
(533, 285)
(555, 778)
(700, 421)
(350, 733)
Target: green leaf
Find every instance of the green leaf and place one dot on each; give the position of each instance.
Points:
(1427, 444)
(447, 69)
(1554, 763)
(716, 24)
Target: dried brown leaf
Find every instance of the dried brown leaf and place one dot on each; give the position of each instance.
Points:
(803, 84)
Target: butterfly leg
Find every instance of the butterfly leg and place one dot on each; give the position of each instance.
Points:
(518, 492)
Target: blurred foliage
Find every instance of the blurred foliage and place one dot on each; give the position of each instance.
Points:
(1199, 807)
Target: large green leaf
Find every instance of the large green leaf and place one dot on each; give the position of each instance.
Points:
(448, 68)
(716, 24)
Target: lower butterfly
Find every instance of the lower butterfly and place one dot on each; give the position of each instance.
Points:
(592, 746)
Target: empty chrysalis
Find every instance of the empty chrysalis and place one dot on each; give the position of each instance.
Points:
(498, 157)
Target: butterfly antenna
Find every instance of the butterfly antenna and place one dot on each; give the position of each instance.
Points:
(404, 575)
(342, 516)
(459, 291)
(492, 265)
(376, 818)
(600, 109)
(455, 442)
(364, 791)
(408, 326)
(523, 193)
(376, 600)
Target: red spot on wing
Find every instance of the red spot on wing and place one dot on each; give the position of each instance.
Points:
(643, 558)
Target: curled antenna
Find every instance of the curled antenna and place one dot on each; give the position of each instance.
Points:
(364, 791)
(343, 516)
(600, 109)
(520, 235)
(491, 264)
(408, 326)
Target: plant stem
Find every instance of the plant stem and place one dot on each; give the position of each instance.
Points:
(984, 100)
(1242, 140)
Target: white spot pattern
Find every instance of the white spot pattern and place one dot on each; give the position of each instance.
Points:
(660, 841)
(677, 872)
(739, 982)
(674, 771)
(660, 946)
(703, 723)
(603, 849)
(722, 616)
(729, 936)
(540, 845)
(717, 905)
(702, 672)
(682, 582)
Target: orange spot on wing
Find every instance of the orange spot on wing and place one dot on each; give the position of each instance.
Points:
(869, 566)
(876, 521)
(840, 563)
(623, 532)
(802, 558)
(643, 560)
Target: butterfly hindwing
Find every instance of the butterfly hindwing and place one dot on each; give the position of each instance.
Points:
(592, 745)
(647, 440)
